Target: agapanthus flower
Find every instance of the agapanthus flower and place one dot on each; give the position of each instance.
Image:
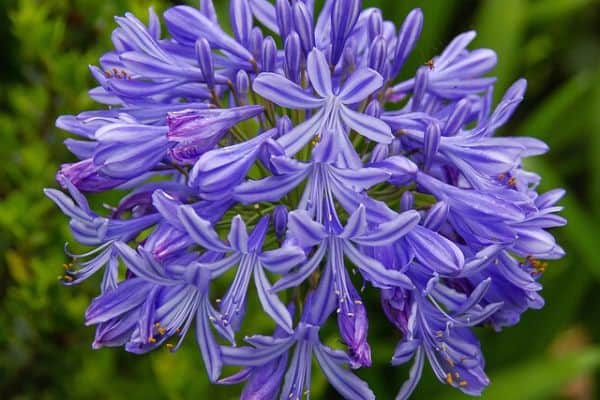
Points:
(286, 167)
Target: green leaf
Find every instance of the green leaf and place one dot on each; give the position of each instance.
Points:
(562, 108)
(544, 11)
(505, 38)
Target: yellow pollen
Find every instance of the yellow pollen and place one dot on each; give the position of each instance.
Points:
(151, 339)
(462, 383)
(449, 379)
(170, 346)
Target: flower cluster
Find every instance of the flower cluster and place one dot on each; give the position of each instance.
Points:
(289, 157)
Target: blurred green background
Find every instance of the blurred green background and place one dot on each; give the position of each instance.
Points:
(45, 350)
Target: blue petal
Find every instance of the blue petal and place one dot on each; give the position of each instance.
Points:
(435, 251)
(270, 302)
(272, 188)
(414, 377)
(356, 224)
(281, 260)
(238, 235)
(200, 230)
(319, 73)
(253, 357)
(360, 85)
(128, 295)
(359, 179)
(303, 272)
(375, 272)
(367, 126)
(209, 347)
(304, 229)
(345, 382)
(283, 92)
(389, 232)
(141, 266)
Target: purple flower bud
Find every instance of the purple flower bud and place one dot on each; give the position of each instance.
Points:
(303, 26)
(283, 11)
(380, 152)
(85, 176)
(378, 54)
(431, 143)
(256, 42)
(284, 125)
(241, 20)
(373, 108)
(458, 118)
(407, 201)
(407, 38)
(208, 9)
(269, 55)
(242, 84)
(344, 15)
(205, 60)
(437, 216)
(375, 25)
(354, 326)
(421, 80)
(197, 131)
(280, 216)
(293, 57)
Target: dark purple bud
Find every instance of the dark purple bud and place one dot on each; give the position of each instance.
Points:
(457, 118)
(84, 176)
(437, 216)
(280, 216)
(407, 38)
(293, 57)
(421, 80)
(256, 42)
(344, 15)
(407, 201)
(241, 20)
(207, 8)
(197, 131)
(378, 54)
(354, 327)
(303, 26)
(205, 60)
(375, 25)
(283, 10)
(373, 108)
(431, 143)
(269, 55)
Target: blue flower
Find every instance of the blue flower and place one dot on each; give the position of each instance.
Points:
(371, 184)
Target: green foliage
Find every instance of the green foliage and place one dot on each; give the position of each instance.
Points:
(45, 350)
